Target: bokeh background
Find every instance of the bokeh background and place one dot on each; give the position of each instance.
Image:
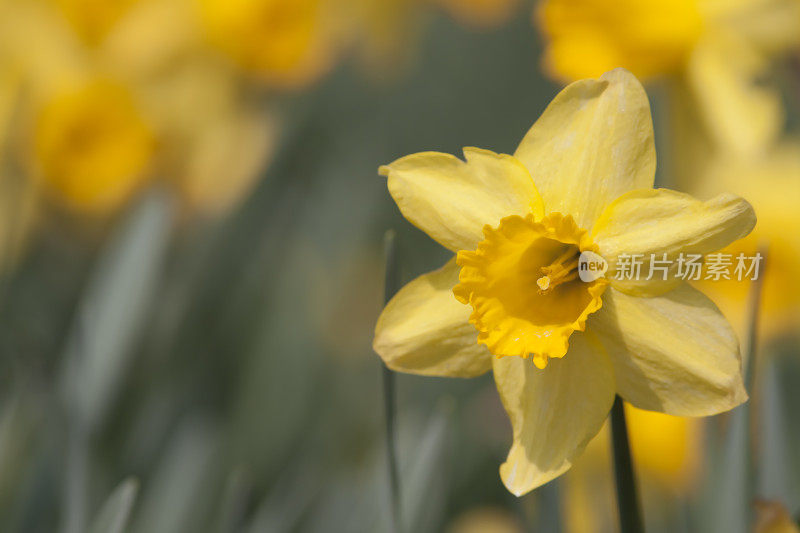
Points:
(191, 264)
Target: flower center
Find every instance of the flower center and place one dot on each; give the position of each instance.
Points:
(562, 270)
(523, 285)
(93, 145)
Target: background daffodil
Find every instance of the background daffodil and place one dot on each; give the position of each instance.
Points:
(580, 180)
(99, 119)
(771, 184)
(668, 455)
(717, 53)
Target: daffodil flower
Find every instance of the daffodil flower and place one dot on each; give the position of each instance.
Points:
(105, 121)
(93, 146)
(717, 53)
(283, 42)
(511, 301)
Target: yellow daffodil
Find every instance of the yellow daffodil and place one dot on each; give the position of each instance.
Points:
(512, 299)
(282, 41)
(105, 121)
(93, 146)
(215, 140)
(717, 52)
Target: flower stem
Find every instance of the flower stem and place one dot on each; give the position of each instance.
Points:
(753, 307)
(630, 518)
(391, 286)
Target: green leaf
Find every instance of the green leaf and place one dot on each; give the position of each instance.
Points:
(775, 471)
(116, 301)
(113, 516)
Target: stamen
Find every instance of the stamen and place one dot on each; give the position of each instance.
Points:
(543, 283)
(562, 270)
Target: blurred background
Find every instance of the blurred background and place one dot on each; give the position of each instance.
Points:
(191, 258)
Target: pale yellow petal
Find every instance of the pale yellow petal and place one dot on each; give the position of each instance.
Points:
(452, 200)
(425, 330)
(660, 221)
(675, 353)
(592, 143)
(554, 412)
(741, 114)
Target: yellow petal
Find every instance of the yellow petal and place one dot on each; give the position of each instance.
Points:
(592, 143)
(452, 201)
(554, 412)
(659, 221)
(674, 354)
(425, 330)
(740, 114)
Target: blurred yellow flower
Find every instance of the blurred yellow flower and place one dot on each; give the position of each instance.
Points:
(281, 41)
(93, 146)
(771, 184)
(215, 139)
(665, 448)
(772, 517)
(485, 520)
(146, 101)
(92, 19)
(581, 180)
(718, 49)
(667, 453)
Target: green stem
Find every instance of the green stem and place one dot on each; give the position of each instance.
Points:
(392, 285)
(754, 304)
(630, 517)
